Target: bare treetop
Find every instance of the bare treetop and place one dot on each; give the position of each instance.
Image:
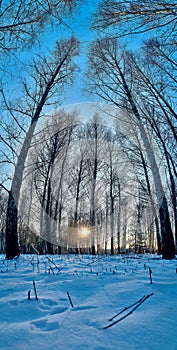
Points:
(137, 16)
(22, 20)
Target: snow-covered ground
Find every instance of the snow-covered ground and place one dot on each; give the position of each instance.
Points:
(99, 288)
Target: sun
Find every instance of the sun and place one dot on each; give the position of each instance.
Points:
(84, 231)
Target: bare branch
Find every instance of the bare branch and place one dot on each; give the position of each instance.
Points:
(22, 21)
(1, 185)
(135, 17)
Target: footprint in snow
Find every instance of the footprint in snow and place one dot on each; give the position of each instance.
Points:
(58, 310)
(46, 304)
(45, 326)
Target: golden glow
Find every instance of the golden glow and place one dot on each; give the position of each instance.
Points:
(84, 231)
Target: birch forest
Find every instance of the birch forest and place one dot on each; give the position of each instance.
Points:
(98, 177)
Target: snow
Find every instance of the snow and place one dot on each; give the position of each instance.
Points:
(99, 288)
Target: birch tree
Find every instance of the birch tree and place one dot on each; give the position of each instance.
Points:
(136, 17)
(113, 167)
(158, 99)
(23, 21)
(49, 77)
(111, 79)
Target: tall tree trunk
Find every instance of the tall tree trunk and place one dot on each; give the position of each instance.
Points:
(153, 208)
(112, 200)
(172, 182)
(48, 219)
(59, 199)
(159, 237)
(76, 221)
(124, 229)
(12, 246)
(112, 225)
(43, 214)
(118, 220)
(106, 228)
(92, 203)
(168, 246)
(78, 191)
(139, 224)
(170, 166)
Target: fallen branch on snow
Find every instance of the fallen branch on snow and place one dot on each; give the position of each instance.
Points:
(130, 312)
(126, 308)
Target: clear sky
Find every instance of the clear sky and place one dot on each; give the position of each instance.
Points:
(81, 29)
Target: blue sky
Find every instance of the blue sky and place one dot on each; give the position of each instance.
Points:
(81, 29)
(79, 26)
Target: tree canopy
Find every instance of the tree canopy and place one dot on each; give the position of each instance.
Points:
(135, 17)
